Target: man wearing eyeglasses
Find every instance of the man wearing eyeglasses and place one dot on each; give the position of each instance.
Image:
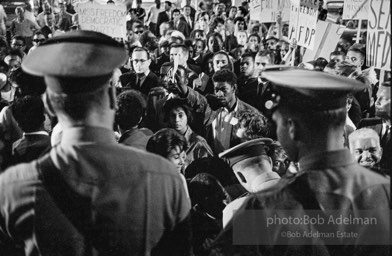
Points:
(38, 39)
(142, 79)
(137, 31)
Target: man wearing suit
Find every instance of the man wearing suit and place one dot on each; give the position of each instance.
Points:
(143, 79)
(29, 114)
(382, 123)
(164, 16)
(187, 17)
(179, 24)
(192, 10)
(221, 120)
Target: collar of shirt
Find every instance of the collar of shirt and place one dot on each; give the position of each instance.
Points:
(385, 128)
(82, 134)
(36, 133)
(233, 109)
(188, 133)
(326, 160)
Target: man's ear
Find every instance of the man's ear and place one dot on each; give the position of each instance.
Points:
(48, 105)
(293, 128)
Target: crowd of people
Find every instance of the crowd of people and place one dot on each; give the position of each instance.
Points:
(198, 121)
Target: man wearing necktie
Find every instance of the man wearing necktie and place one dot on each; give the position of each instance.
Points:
(187, 16)
(382, 123)
(142, 79)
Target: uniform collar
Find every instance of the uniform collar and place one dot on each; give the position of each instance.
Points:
(328, 159)
(80, 134)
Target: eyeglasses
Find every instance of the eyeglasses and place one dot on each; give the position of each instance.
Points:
(140, 61)
(38, 40)
(18, 45)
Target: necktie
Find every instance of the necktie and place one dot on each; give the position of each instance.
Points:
(387, 136)
(139, 78)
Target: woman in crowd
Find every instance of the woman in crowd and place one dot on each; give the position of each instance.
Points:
(254, 43)
(171, 145)
(179, 116)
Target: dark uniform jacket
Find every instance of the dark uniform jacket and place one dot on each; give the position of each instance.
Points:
(92, 196)
(330, 185)
(29, 147)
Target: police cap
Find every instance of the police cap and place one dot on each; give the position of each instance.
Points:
(77, 55)
(245, 150)
(307, 90)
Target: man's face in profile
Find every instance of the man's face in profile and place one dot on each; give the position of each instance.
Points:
(366, 151)
(337, 58)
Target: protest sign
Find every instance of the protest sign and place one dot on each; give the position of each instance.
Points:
(378, 46)
(326, 38)
(355, 9)
(271, 8)
(236, 3)
(303, 22)
(107, 19)
(255, 9)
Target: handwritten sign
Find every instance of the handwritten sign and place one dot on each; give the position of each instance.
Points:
(303, 22)
(351, 7)
(255, 9)
(271, 8)
(326, 38)
(107, 19)
(378, 46)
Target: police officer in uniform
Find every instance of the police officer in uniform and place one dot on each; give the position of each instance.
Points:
(89, 195)
(310, 110)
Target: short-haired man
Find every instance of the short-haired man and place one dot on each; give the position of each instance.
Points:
(382, 123)
(130, 113)
(220, 113)
(365, 148)
(310, 114)
(46, 10)
(248, 84)
(63, 18)
(89, 194)
(187, 10)
(23, 27)
(220, 60)
(18, 43)
(181, 53)
(179, 24)
(143, 79)
(337, 56)
(164, 16)
(28, 112)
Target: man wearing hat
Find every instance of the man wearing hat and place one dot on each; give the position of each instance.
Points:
(89, 195)
(310, 111)
(253, 169)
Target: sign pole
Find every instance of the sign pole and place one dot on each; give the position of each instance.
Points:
(358, 31)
